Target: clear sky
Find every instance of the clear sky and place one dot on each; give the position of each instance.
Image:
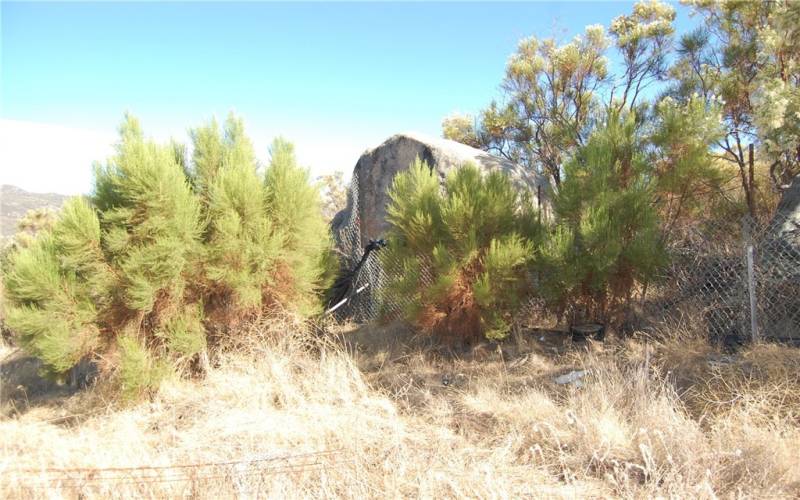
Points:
(335, 78)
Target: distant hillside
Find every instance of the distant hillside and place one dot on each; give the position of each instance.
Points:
(15, 202)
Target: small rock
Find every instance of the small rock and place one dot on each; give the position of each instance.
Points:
(455, 380)
(574, 377)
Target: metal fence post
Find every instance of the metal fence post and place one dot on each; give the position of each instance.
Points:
(751, 279)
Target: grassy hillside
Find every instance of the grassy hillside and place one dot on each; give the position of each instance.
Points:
(377, 414)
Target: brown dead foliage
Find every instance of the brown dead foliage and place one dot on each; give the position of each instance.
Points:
(456, 318)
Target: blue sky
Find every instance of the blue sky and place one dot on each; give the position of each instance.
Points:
(334, 78)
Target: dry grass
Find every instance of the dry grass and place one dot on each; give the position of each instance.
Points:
(380, 415)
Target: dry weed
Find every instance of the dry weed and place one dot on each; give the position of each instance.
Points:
(377, 414)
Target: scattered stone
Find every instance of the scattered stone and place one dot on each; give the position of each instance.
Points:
(574, 377)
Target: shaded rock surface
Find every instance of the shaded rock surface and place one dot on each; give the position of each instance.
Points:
(777, 277)
(787, 218)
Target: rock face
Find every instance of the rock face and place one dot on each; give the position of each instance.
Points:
(364, 218)
(778, 261)
(787, 218)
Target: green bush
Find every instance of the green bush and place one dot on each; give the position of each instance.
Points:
(293, 204)
(242, 243)
(166, 253)
(139, 370)
(57, 288)
(606, 241)
(151, 223)
(465, 253)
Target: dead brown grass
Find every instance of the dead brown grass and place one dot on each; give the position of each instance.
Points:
(380, 414)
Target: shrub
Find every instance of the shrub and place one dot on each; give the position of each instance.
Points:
(242, 244)
(57, 288)
(606, 240)
(294, 204)
(266, 240)
(464, 252)
(167, 253)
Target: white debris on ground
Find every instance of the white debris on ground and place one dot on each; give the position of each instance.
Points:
(574, 377)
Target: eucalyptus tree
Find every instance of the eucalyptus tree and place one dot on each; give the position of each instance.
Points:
(746, 58)
(553, 95)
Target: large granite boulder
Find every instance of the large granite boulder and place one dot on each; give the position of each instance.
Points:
(787, 218)
(364, 218)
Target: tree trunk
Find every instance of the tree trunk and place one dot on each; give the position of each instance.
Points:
(747, 175)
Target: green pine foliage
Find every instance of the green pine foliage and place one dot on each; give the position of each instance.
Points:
(215, 149)
(607, 238)
(687, 178)
(242, 243)
(464, 253)
(292, 201)
(151, 221)
(56, 288)
(139, 370)
(166, 253)
(184, 333)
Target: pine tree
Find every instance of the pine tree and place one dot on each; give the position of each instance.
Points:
(607, 236)
(464, 253)
(267, 239)
(242, 243)
(151, 221)
(139, 273)
(687, 179)
(57, 288)
(306, 266)
(151, 228)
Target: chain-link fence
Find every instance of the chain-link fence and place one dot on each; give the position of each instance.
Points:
(734, 278)
(369, 297)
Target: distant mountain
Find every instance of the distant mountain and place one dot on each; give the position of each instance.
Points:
(15, 202)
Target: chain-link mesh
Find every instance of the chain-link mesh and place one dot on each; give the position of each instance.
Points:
(734, 278)
(776, 278)
(370, 298)
(704, 283)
